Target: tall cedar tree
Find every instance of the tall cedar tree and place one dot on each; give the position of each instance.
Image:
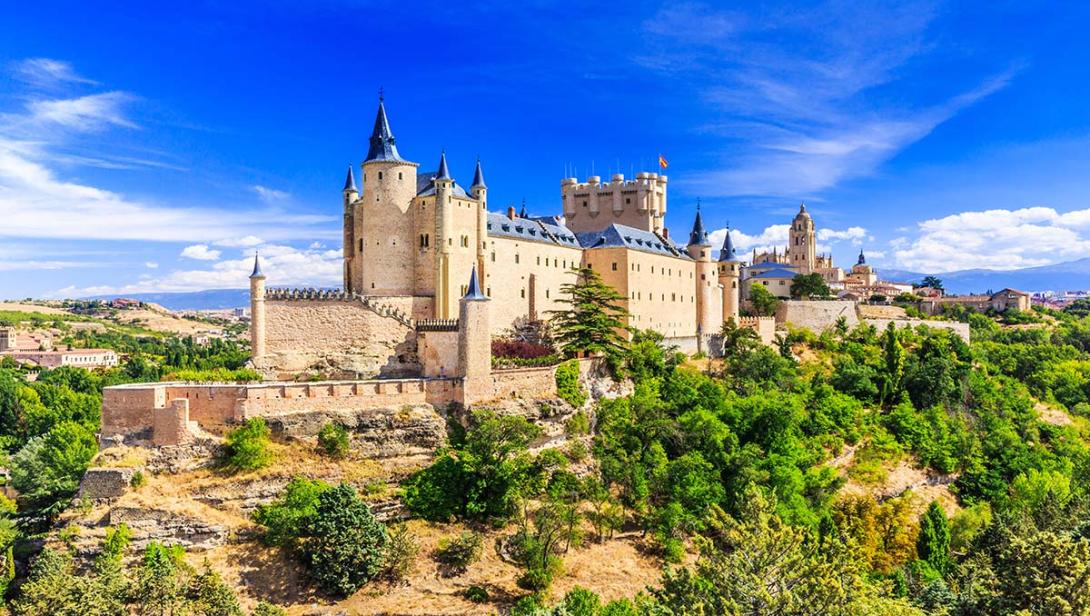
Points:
(594, 321)
(933, 542)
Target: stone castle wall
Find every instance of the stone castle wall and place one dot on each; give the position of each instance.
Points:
(817, 315)
(337, 337)
(129, 411)
(961, 329)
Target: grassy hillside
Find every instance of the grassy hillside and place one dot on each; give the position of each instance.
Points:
(856, 472)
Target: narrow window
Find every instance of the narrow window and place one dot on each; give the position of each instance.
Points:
(614, 266)
(399, 175)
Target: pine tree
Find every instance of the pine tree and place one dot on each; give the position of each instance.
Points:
(933, 542)
(894, 358)
(594, 321)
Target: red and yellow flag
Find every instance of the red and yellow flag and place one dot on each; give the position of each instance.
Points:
(662, 161)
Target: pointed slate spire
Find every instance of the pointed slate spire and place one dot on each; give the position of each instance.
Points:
(257, 267)
(350, 181)
(727, 253)
(698, 236)
(443, 173)
(862, 260)
(478, 176)
(382, 144)
(522, 212)
(474, 292)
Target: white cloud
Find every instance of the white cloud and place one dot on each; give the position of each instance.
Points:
(151, 265)
(994, 239)
(269, 194)
(46, 72)
(775, 236)
(283, 265)
(200, 252)
(248, 241)
(93, 112)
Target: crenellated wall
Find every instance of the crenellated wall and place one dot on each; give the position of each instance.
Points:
(130, 411)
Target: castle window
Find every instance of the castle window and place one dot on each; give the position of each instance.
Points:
(627, 200)
(380, 175)
(522, 292)
(546, 294)
(488, 291)
(493, 257)
(399, 175)
(539, 261)
(584, 204)
(516, 257)
(361, 245)
(673, 297)
(614, 266)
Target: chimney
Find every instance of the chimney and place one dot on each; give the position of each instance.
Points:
(511, 212)
(665, 233)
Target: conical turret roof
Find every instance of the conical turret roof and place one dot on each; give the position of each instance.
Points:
(443, 173)
(698, 236)
(257, 267)
(478, 176)
(474, 291)
(350, 181)
(382, 144)
(727, 253)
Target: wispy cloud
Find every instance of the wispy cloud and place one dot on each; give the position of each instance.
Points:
(93, 112)
(46, 72)
(795, 97)
(269, 194)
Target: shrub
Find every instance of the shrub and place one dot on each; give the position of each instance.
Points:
(458, 553)
(333, 439)
(578, 424)
(248, 446)
(581, 602)
(285, 520)
(401, 552)
(476, 594)
(519, 349)
(138, 479)
(567, 384)
(345, 543)
(267, 609)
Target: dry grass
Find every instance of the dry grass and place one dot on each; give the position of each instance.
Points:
(1053, 415)
(21, 307)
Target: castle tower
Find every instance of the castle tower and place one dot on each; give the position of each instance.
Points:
(479, 191)
(474, 343)
(257, 313)
(730, 270)
(802, 242)
(444, 239)
(709, 310)
(350, 195)
(382, 222)
(594, 205)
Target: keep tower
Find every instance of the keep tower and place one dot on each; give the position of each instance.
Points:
(802, 242)
(378, 261)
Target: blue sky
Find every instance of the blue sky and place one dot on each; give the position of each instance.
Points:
(155, 146)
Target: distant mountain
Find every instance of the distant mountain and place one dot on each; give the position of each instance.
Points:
(1067, 276)
(213, 299)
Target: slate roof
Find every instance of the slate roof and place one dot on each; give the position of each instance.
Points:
(425, 185)
(382, 143)
(541, 229)
(776, 273)
(727, 253)
(698, 236)
(616, 235)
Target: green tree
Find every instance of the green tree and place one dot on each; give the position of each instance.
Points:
(162, 580)
(738, 340)
(762, 300)
(931, 282)
(47, 470)
(893, 359)
(211, 596)
(248, 446)
(285, 519)
(345, 543)
(594, 320)
(52, 589)
(933, 542)
(809, 286)
(333, 439)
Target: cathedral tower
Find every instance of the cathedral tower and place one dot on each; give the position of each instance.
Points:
(709, 307)
(380, 261)
(730, 270)
(802, 242)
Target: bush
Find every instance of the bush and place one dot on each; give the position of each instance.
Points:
(138, 479)
(578, 424)
(267, 609)
(401, 552)
(567, 384)
(286, 519)
(519, 349)
(248, 446)
(333, 439)
(581, 602)
(458, 553)
(345, 543)
(476, 594)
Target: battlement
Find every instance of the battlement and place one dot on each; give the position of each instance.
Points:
(369, 301)
(764, 326)
(437, 325)
(594, 205)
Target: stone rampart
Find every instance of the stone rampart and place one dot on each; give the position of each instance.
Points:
(133, 410)
(817, 315)
(338, 335)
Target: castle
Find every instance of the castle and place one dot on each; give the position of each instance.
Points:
(413, 240)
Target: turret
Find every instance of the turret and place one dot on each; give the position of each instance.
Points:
(383, 227)
(730, 271)
(350, 192)
(349, 196)
(474, 343)
(862, 260)
(257, 313)
(480, 192)
(709, 307)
